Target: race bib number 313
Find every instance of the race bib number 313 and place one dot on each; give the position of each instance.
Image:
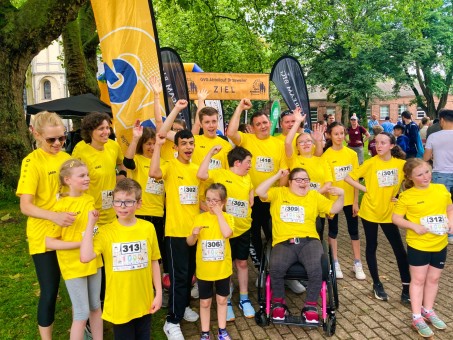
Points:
(130, 255)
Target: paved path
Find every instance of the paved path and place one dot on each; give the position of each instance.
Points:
(360, 315)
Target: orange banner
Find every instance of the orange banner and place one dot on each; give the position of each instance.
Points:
(229, 86)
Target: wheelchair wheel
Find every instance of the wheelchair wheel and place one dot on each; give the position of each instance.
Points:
(333, 282)
(261, 318)
(331, 325)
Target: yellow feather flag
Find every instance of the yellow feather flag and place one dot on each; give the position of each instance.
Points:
(130, 52)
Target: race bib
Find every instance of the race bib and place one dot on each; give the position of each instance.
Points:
(436, 224)
(315, 186)
(292, 213)
(188, 194)
(237, 208)
(214, 164)
(387, 178)
(130, 255)
(264, 164)
(107, 199)
(154, 187)
(212, 250)
(341, 172)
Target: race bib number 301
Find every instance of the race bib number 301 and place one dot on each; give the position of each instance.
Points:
(188, 194)
(292, 213)
(264, 164)
(130, 255)
(387, 178)
(342, 171)
(436, 224)
(212, 250)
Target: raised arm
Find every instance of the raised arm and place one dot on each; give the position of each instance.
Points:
(225, 228)
(317, 134)
(165, 130)
(202, 173)
(154, 168)
(137, 132)
(289, 146)
(264, 187)
(202, 95)
(233, 126)
(157, 89)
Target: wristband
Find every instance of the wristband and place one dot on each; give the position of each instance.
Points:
(122, 172)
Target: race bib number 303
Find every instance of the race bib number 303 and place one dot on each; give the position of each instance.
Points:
(212, 250)
(292, 213)
(436, 224)
(130, 255)
(342, 171)
(387, 178)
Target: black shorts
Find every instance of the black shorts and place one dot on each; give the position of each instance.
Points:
(435, 259)
(205, 288)
(240, 246)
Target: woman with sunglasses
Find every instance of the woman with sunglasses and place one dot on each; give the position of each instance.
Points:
(38, 190)
(103, 157)
(294, 237)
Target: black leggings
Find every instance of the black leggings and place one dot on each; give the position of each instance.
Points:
(351, 221)
(393, 235)
(48, 273)
(261, 218)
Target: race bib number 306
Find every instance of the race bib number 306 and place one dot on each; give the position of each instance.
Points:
(213, 250)
(342, 171)
(130, 255)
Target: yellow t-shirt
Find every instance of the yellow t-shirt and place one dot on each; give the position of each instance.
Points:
(317, 168)
(295, 216)
(202, 146)
(168, 152)
(153, 191)
(213, 259)
(382, 180)
(182, 190)
(69, 260)
(39, 177)
(268, 156)
(341, 163)
(417, 204)
(127, 252)
(102, 170)
(238, 193)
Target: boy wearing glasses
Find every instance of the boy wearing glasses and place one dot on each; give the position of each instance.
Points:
(131, 252)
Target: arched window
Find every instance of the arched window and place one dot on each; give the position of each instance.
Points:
(47, 90)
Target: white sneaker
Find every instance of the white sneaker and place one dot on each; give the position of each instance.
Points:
(173, 331)
(190, 315)
(194, 293)
(338, 272)
(358, 270)
(295, 286)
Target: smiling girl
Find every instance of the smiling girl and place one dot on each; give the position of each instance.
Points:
(383, 175)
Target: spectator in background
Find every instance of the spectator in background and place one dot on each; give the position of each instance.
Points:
(330, 118)
(356, 137)
(433, 128)
(401, 139)
(423, 126)
(372, 122)
(388, 125)
(411, 131)
(377, 129)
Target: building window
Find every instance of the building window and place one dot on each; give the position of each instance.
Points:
(384, 111)
(47, 90)
(420, 113)
(331, 110)
(368, 112)
(313, 115)
(401, 109)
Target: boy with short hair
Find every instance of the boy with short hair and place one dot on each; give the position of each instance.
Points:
(131, 259)
(401, 139)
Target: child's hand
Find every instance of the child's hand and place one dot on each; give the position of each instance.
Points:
(155, 85)
(217, 208)
(335, 191)
(137, 130)
(215, 150)
(245, 104)
(157, 303)
(160, 139)
(93, 217)
(202, 94)
(181, 104)
(355, 209)
(420, 229)
(196, 231)
(282, 173)
(318, 132)
(64, 219)
(299, 115)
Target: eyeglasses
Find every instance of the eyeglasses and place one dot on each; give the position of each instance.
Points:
(52, 140)
(126, 203)
(208, 200)
(301, 180)
(302, 142)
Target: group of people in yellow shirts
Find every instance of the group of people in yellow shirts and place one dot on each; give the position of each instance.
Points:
(197, 202)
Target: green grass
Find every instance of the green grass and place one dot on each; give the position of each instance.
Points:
(19, 287)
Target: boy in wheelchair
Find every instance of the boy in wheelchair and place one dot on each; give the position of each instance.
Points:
(294, 237)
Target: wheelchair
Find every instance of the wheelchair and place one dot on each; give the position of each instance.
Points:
(329, 292)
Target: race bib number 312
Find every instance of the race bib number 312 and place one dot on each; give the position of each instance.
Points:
(436, 224)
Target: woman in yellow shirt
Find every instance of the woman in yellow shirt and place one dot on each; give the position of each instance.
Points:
(425, 209)
(38, 188)
(294, 237)
(383, 175)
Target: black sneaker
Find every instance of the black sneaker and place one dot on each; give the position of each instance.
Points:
(379, 291)
(405, 298)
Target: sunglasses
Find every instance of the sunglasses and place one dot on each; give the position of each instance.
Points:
(52, 140)
(286, 113)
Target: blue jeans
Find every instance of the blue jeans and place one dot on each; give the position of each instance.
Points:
(445, 179)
